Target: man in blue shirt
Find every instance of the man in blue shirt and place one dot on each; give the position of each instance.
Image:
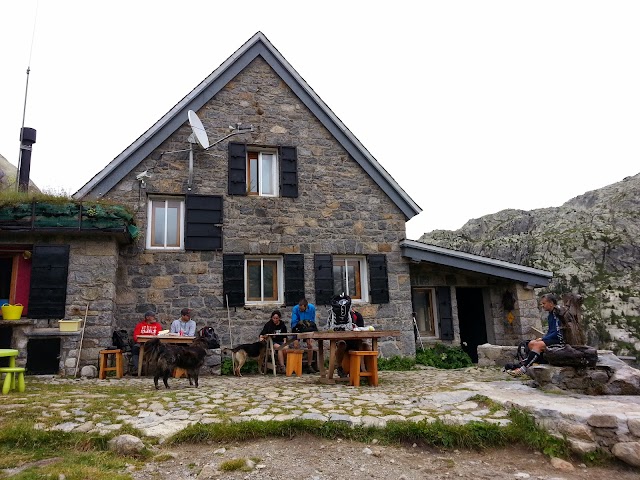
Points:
(304, 311)
(549, 304)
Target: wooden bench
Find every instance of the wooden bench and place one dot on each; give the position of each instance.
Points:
(371, 364)
(294, 361)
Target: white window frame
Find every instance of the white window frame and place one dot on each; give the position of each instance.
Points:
(151, 222)
(275, 170)
(280, 281)
(364, 275)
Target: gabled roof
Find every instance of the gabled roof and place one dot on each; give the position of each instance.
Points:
(423, 252)
(258, 45)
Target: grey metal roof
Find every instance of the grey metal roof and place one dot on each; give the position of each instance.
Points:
(258, 45)
(423, 252)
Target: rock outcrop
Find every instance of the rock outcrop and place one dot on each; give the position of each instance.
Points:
(592, 246)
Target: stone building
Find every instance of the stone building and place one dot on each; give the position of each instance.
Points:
(283, 204)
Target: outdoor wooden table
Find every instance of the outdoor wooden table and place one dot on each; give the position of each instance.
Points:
(11, 353)
(169, 338)
(333, 337)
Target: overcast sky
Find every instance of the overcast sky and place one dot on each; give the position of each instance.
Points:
(472, 106)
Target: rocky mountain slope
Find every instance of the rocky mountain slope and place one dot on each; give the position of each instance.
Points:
(591, 244)
(8, 176)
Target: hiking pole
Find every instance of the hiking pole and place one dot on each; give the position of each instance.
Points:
(233, 361)
(84, 326)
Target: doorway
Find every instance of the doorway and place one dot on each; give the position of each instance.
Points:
(473, 325)
(43, 356)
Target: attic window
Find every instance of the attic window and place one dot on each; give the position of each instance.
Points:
(262, 173)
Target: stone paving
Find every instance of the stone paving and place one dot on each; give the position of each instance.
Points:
(425, 394)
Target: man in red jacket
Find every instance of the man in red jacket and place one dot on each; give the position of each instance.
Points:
(148, 326)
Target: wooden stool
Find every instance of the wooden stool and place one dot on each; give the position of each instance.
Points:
(179, 372)
(104, 361)
(294, 362)
(370, 362)
(15, 376)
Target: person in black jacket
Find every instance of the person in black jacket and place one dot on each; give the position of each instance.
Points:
(276, 325)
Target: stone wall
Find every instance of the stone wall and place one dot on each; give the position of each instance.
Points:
(91, 281)
(339, 210)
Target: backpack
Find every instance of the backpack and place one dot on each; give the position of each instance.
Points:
(340, 316)
(212, 337)
(121, 340)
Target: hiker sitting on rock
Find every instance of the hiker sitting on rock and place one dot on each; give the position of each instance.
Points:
(549, 303)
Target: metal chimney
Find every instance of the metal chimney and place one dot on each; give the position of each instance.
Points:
(27, 139)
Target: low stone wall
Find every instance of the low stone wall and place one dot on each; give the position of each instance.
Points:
(496, 355)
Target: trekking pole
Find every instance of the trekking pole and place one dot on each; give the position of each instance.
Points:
(233, 361)
(84, 326)
(415, 325)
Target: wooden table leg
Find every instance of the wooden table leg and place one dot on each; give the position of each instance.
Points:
(273, 357)
(332, 359)
(140, 359)
(321, 358)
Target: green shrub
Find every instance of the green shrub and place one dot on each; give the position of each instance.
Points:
(250, 367)
(396, 363)
(443, 356)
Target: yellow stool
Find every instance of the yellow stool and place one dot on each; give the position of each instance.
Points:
(294, 362)
(104, 361)
(180, 372)
(370, 362)
(15, 376)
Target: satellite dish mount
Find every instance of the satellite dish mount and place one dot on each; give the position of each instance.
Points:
(199, 136)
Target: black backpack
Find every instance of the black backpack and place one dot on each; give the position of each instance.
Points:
(121, 340)
(212, 337)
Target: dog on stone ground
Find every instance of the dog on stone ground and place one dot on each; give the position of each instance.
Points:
(166, 357)
(240, 354)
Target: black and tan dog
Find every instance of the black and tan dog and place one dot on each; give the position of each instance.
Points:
(240, 354)
(166, 357)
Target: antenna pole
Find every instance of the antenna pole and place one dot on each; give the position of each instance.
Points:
(24, 108)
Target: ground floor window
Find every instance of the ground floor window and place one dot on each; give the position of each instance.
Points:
(424, 301)
(264, 277)
(349, 276)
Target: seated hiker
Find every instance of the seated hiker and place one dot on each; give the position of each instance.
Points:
(276, 325)
(549, 303)
(304, 313)
(343, 346)
(148, 326)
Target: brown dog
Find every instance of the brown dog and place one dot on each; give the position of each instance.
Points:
(167, 357)
(241, 353)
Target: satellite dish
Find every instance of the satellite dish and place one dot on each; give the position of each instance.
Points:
(198, 129)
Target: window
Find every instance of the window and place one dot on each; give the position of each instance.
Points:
(424, 301)
(165, 227)
(262, 173)
(349, 276)
(263, 279)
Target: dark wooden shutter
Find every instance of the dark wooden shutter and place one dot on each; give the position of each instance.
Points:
(237, 169)
(323, 267)
(445, 314)
(288, 172)
(49, 270)
(233, 279)
(378, 279)
(293, 279)
(203, 230)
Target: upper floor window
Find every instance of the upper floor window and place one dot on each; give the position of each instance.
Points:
(264, 279)
(349, 276)
(166, 223)
(262, 173)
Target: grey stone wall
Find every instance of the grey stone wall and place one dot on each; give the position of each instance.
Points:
(340, 210)
(90, 282)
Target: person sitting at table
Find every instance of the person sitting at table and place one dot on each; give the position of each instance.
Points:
(343, 346)
(276, 325)
(184, 325)
(148, 326)
(306, 312)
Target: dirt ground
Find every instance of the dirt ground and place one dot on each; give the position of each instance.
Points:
(315, 459)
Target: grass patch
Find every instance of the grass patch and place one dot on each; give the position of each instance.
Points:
(443, 356)
(486, 402)
(234, 465)
(250, 367)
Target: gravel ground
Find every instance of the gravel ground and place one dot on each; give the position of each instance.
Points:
(315, 459)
